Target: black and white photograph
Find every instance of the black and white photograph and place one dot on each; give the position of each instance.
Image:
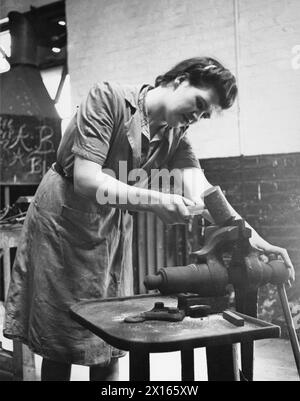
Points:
(149, 193)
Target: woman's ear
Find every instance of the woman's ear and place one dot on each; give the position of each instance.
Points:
(181, 78)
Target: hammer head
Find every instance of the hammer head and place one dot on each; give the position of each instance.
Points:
(218, 206)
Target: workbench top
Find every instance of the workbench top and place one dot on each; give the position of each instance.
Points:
(105, 318)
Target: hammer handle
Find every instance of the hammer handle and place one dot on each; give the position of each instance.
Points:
(195, 210)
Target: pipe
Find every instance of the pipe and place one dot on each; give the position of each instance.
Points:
(23, 40)
(290, 325)
(236, 11)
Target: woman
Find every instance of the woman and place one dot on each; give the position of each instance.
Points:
(74, 245)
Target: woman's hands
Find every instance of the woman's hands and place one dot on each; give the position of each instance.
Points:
(171, 208)
(260, 244)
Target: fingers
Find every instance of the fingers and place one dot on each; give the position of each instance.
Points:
(178, 210)
(282, 253)
(181, 212)
(174, 210)
(285, 256)
(189, 202)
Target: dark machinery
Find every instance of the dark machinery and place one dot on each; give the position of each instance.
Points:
(245, 271)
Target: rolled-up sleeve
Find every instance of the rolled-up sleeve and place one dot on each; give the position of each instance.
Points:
(95, 122)
(184, 156)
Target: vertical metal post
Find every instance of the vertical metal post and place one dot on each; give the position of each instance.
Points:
(290, 325)
(6, 251)
(142, 249)
(237, 67)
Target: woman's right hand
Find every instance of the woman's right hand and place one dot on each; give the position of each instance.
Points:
(172, 209)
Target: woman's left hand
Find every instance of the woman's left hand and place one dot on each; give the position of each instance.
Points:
(258, 243)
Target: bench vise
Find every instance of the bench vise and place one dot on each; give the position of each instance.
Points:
(212, 274)
(227, 258)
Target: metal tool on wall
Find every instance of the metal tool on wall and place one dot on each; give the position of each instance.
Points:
(210, 276)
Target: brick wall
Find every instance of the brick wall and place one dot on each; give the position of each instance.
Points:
(265, 189)
(270, 86)
(134, 40)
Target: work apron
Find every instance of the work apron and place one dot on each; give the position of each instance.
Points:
(72, 249)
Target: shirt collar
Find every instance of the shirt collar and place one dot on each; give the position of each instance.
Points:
(137, 100)
(143, 111)
(132, 93)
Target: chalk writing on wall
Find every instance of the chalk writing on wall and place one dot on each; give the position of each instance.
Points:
(27, 148)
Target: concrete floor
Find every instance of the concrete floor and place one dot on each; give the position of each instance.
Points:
(274, 361)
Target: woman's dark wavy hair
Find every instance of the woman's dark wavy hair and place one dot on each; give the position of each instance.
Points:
(203, 72)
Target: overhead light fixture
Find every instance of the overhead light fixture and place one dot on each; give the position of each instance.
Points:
(56, 49)
(62, 23)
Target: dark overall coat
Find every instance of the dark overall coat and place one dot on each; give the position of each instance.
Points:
(72, 249)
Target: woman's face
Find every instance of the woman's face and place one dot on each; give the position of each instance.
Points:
(186, 104)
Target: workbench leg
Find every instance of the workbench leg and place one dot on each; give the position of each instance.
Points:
(222, 363)
(23, 362)
(139, 365)
(187, 365)
(246, 303)
(6, 251)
